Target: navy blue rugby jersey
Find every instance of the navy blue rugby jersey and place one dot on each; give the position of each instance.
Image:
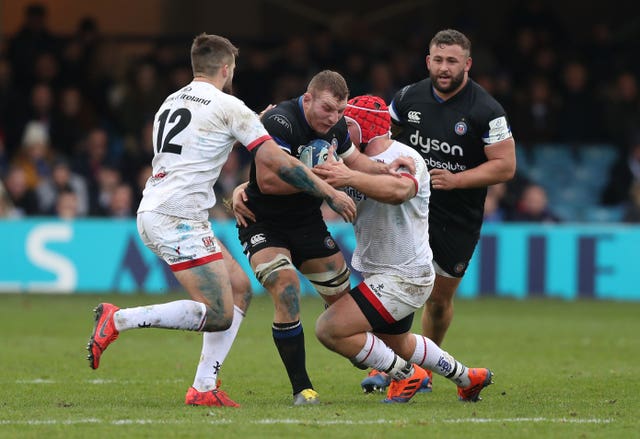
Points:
(451, 135)
(288, 126)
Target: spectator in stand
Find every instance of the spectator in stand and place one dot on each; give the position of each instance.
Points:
(33, 39)
(142, 96)
(6, 206)
(536, 114)
(295, 59)
(632, 207)
(138, 155)
(71, 123)
(73, 70)
(521, 55)
(108, 180)
(38, 108)
(622, 114)
(255, 78)
(47, 70)
(381, 81)
(324, 48)
(21, 197)
(355, 72)
(180, 76)
(579, 116)
(12, 107)
(35, 156)
(121, 202)
(623, 175)
(93, 155)
(545, 65)
(62, 180)
(537, 16)
(493, 209)
(533, 206)
(66, 206)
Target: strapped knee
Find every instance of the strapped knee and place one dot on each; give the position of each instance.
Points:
(279, 262)
(331, 282)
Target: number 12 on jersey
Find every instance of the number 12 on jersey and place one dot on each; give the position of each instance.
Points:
(181, 117)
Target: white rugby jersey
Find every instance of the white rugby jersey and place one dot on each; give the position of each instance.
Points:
(394, 239)
(193, 133)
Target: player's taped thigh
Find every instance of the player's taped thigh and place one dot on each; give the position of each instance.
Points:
(279, 262)
(330, 283)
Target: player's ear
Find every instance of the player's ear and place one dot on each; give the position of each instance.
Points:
(467, 65)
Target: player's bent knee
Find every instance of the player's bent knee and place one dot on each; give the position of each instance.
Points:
(280, 262)
(218, 324)
(323, 332)
(330, 282)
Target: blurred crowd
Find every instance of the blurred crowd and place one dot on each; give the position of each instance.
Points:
(76, 132)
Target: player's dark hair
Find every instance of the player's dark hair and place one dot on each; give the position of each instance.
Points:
(328, 80)
(451, 37)
(210, 52)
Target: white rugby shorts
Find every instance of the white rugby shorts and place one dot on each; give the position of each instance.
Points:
(395, 297)
(180, 242)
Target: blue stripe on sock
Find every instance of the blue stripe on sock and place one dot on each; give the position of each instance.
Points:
(286, 332)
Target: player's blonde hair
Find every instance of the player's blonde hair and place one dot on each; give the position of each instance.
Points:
(210, 52)
(328, 80)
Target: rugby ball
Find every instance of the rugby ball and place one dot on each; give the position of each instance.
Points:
(315, 153)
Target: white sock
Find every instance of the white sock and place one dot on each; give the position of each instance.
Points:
(215, 347)
(377, 355)
(181, 314)
(429, 355)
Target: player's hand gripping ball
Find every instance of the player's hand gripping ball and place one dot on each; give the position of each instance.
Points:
(316, 153)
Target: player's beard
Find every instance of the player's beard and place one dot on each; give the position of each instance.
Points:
(455, 82)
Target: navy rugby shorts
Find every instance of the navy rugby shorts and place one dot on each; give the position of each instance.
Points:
(452, 246)
(307, 241)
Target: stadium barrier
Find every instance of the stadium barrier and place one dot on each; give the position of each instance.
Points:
(512, 260)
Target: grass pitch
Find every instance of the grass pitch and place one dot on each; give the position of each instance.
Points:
(562, 369)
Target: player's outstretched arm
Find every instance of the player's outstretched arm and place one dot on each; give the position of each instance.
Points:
(360, 162)
(384, 188)
(292, 171)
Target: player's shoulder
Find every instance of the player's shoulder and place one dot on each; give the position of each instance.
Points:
(415, 91)
(283, 116)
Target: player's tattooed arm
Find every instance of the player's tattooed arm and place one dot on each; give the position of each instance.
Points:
(292, 171)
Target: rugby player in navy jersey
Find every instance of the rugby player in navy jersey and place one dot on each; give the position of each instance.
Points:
(282, 229)
(464, 136)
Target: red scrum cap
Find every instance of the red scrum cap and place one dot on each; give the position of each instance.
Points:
(371, 115)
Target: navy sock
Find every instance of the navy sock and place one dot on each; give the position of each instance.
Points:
(289, 339)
